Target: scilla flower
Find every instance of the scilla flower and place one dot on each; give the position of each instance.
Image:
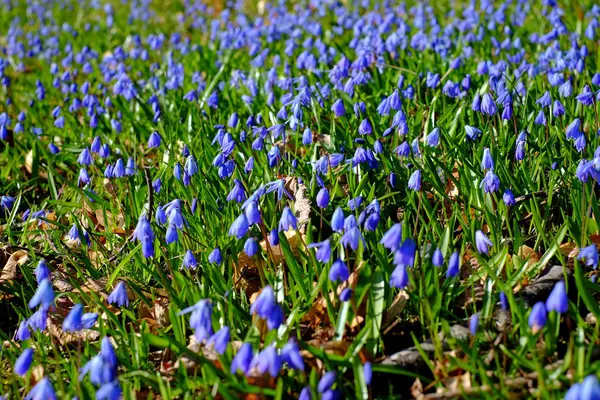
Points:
(537, 317)
(482, 242)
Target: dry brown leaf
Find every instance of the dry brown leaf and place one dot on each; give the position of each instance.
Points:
(417, 389)
(395, 308)
(451, 189)
(246, 273)
(528, 254)
(29, 165)
(302, 207)
(569, 249)
(318, 311)
(455, 383)
(10, 270)
(64, 338)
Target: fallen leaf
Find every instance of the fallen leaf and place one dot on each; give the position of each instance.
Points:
(528, 254)
(10, 270)
(395, 308)
(54, 327)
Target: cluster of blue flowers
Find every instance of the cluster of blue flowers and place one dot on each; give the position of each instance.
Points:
(375, 110)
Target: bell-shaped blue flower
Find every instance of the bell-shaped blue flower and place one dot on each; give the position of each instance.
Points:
(24, 362)
(558, 300)
(537, 317)
(43, 296)
(453, 265)
(339, 271)
(119, 295)
(43, 390)
(482, 242)
(323, 253)
(242, 360)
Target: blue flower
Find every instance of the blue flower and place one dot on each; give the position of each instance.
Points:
(482, 242)
(264, 303)
(119, 295)
(72, 322)
(509, 198)
(476, 104)
(239, 227)
(288, 220)
(403, 150)
(488, 106)
(323, 198)
(368, 372)
(540, 119)
(332, 395)
(504, 301)
(590, 388)
(472, 132)
(326, 381)
(155, 140)
(275, 318)
(323, 253)
(339, 271)
(38, 319)
(23, 332)
(365, 127)
(143, 233)
(242, 360)
(42, 271)
(572, 130)
(589, 255)
(487, 162)
(85, 157)
(537, 317)
(44, 295)
(6, 202)
(392, 239)
(43, 390)
(88, 320)
(338, 108)
(337, 220)
(200, 320)
(99, 370)
(346, 294)
(414, 182)
(109, 391)
(520, 151)
(432, 80)
(189, 261)
(453, 265)
(24, 362)
(474, 324)
(274, 237)
(215, 256)
(586, 97)
(351, 238)
(433, 139)
(490, 183)
(290, 354)
(438, 258)
(558, 110)
(307, 137)
(399, 277)
(251, 247)
(267, 361)
(545, 100)
(405, 255)
(558, 300)
(220, 340)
